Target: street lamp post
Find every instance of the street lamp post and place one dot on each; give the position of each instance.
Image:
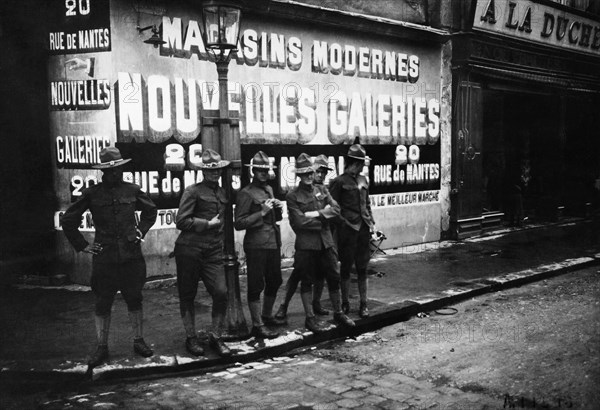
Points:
(220, 34)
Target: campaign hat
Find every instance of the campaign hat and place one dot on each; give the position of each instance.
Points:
(322, 162)
(110, 157)
(357, 151)
(304, 164)
(212, 160)
(260, 160)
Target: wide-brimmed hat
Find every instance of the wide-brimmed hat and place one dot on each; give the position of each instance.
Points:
(260, 160)
(110, 157)
(322, 162)
(304, 164)
(212, 160)
(357, 151)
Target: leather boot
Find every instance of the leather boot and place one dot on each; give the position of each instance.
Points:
(363, 310)
(267, 313)
(317, 292)
(101, 353)
(339, 316)
(259, 329)
(345, 289)
(192, 344)
(312, 323)
(136, 318)
(282, 313)
(217, 343)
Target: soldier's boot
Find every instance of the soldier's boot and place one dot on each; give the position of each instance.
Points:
(214, 336)
(317, 293)
(192, 344)
(312, 323)
(259, 330)
(267, 313)
(339, 316)
(345, 289)
(136, 318)
(102, 328)
(363, 310)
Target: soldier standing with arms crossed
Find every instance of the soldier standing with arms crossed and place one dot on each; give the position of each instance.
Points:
(310, 208)
(351, 191)
(199, 252)
(321, 169)
(117, 260)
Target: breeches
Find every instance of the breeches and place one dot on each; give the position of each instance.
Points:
(354, 248)
(109, 278)
(314, 266)
(194, 264)
(264, 272)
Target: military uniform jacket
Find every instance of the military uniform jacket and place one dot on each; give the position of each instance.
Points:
(113, 212)
(262, 232)
(199, 204)
(311, 233)
(352, 193)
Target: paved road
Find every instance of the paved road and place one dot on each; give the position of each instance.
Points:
(531, 347)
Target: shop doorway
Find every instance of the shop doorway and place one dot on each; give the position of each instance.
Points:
(521, 155)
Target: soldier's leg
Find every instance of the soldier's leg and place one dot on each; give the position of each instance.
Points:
(213, 277)
(363, 256)
(255, 263)
(133, 277)
(347, 249)
(104, 290)
(272, 283)
(305, 261)
(189, 266)
(290, 289)
(329, 266)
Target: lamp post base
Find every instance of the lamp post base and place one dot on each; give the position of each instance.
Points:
(235, 326)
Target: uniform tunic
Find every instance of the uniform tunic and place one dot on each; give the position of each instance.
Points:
(199, 248)
(121, 265)
(315, 249)
(262, 241)
(352, 193)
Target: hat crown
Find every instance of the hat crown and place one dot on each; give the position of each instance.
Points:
(357, 151)
(260, 159)
(109, 154)
(304, 164)
(321, 161)
(210, 157)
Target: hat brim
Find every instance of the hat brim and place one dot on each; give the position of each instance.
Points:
(365, 158)
(111, 164)
(260, 166)
(318, 167)
(305, 170)
(215, 165)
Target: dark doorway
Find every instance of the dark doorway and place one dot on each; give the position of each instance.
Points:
(522, 154)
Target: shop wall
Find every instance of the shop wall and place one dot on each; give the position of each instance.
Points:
(292, 90)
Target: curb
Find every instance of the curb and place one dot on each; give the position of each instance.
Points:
(383, 316)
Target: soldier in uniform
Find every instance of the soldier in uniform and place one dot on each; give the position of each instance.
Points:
(351, 191)
(199, 252)
(117, 260)
(257, 211)
(321, 169)
(310, 209)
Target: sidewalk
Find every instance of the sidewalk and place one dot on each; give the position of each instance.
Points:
(48, 332)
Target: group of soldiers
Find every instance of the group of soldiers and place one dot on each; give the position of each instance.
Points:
(317, 215)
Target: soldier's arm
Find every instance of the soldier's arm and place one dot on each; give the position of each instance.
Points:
(149, 212)
(244, 218)
(298, 220)
(186, 221)
(71, 220)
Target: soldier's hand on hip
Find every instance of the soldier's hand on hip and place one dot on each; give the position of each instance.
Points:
(266, 206)
(94, 249)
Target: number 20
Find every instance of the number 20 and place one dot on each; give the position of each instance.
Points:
(71, 5)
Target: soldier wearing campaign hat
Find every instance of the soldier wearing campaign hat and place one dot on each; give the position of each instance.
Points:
(321, 167)
(199, 252)
(257, 212)
(351, 191)
(117, 260)
(310, 209)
